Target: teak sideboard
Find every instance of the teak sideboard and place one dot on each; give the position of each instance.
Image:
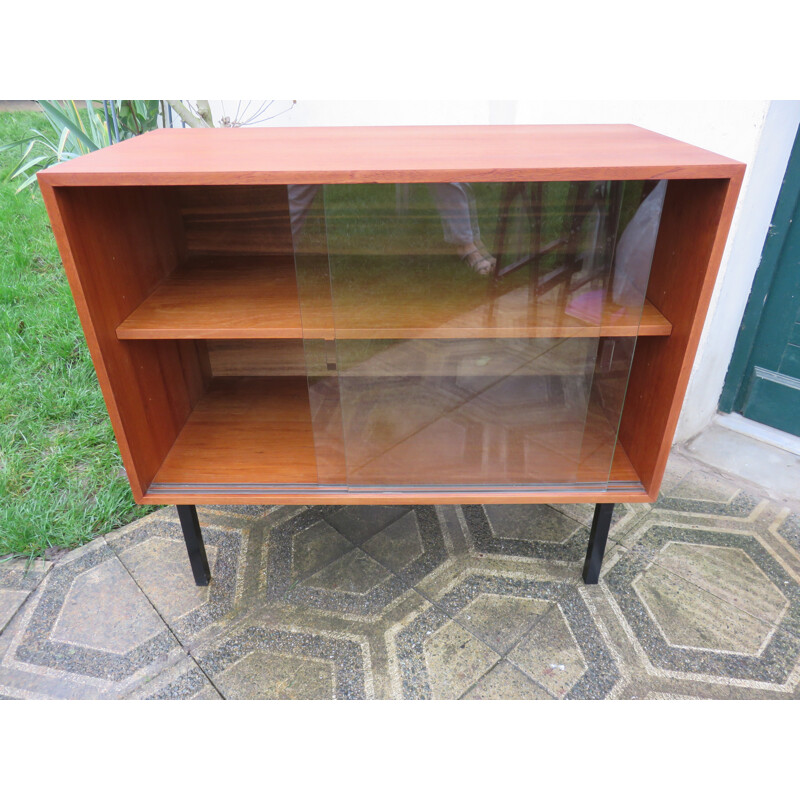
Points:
(500, 314)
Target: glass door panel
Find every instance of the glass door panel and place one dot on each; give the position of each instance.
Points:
(309, 237)
(484, 332)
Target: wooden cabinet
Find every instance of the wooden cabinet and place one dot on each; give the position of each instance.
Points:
(284, 315)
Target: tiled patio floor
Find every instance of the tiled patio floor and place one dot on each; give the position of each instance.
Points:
(699, 597)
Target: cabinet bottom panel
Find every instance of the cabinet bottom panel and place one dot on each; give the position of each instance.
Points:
(245, 430)
(253, 438)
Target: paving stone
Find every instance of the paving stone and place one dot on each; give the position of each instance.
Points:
(411, 545)
(506, 682)
(278, 676)
(526, 531)
(683, 628)
(531, 523)
(699, 597)
(437, 658)
(182, 681)
(347, 580)
(398, 544)
(550, 655)
(691, 617)
(501, 621)
(705, 493)
(90, 619)
(162, 569)
(18, 578)
(455, 660)
(316, 547)
(728, 573)
(155, 554)
(598, 675)
(19, 680)
(353, 573)
(358, 523)
(103, 609)
(10, 601)
(261, 662)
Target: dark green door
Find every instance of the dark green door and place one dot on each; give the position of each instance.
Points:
(763, 381)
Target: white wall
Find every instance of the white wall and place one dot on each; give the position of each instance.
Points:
(742, 256)
(759, 133)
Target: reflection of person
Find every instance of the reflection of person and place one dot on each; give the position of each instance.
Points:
(634, 252)
(301, 196)
(456, 205)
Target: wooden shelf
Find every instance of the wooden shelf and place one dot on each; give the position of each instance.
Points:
(249, 297)
(246, 432)
(221, 298)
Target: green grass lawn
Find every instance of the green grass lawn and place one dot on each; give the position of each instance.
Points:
(60, 470)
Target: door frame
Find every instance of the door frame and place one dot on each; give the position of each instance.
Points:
(787, 206)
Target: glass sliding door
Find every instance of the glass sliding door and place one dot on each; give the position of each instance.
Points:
(478, 335)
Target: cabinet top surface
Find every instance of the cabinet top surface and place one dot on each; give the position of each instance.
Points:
(391, 155)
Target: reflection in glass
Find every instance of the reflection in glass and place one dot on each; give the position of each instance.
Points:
(444, 358)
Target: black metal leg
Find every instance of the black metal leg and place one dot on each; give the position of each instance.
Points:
(597, 542)
(194, 544)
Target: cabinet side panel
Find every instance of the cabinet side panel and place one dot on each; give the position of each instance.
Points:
(117, 244)
(691, 238)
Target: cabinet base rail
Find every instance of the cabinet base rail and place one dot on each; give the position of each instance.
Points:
(598, 537)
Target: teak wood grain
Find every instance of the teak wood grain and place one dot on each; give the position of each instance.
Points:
(245, 220)
(245, 430)
(694, 227)
(250, 297)
(391, 155)
(221, 298)
(116, 247)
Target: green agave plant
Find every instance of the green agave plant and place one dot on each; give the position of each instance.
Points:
(73, 134)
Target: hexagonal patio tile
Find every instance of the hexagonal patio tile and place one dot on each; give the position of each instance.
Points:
(501, 620)
(155, 553)
(341, 560)
(728, 573)
(687, 616)
(710, 602)
(550, 655)
(454, 660)
(701, 492)
(506, 682)
(528, 531)
(104, 610)
(407, 540)
(260, 662)
(18, 578)
(551, 632)
(91, 619)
